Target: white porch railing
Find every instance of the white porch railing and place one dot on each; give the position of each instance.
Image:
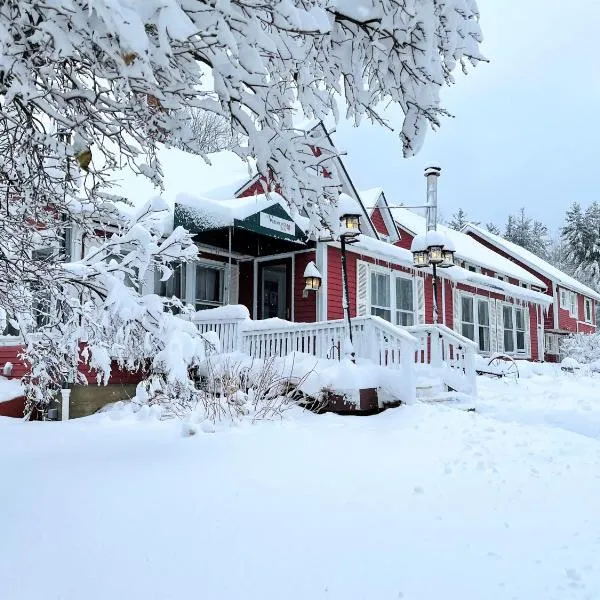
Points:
(451, 353)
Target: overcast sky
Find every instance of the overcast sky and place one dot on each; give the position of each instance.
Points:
(525, 131)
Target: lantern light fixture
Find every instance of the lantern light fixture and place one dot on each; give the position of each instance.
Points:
(312, 278)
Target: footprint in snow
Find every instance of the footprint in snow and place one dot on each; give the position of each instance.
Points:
(418, 490)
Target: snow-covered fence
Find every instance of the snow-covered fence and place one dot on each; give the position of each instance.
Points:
(443, 348)
(225, 322)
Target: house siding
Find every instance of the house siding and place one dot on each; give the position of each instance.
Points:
(405, 240)
(378, 222)
(335, 279)
(305, 309)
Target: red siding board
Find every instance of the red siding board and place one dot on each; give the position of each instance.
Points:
(378, 222)
(405, 240)
(305, 309)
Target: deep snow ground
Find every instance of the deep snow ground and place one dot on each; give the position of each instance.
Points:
(418, 503)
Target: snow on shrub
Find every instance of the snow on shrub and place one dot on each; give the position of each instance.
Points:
(584, 348)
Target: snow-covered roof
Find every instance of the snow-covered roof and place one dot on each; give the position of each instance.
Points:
(403, 257)
(467, 248)
(215, 214)
(533, 261)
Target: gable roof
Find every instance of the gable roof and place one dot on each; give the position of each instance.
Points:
(374, 199)
(532, 260)
(467, 248)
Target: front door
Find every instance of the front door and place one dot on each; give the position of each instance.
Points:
(274, 299)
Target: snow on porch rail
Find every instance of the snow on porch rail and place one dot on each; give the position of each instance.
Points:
(374, 338)
(443, 348)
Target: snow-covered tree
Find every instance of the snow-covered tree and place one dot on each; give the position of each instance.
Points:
(211, 132)
(528, 233)
(581, 240)
(459, 220)
(492, 228)
(89, 86)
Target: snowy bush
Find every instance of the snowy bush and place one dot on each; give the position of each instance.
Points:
(584, 348)
(226, 388)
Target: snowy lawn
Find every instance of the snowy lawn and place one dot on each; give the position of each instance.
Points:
(418, 503)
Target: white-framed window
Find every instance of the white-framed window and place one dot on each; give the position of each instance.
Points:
(501, 277)
(520, 329)
(174, 286)
(588, 311)
(507, 319)
(568, 301)
(405, 302)
(209, 286)
(392, 297)
(475, 320)
(467, 313)
(483, 325)
(513, 318)
(381, 301)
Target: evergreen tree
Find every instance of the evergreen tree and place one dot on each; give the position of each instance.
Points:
(492, 228)
(581, 238)
(528, 233)
(459, 220)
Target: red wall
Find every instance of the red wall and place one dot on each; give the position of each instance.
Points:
(378, 222)
(10, 354)
(405, 240)
(305, 309)
(335, 280)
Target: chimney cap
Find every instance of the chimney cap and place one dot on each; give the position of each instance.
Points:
(433, 169)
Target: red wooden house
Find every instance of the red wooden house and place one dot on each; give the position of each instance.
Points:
(254, 251)
(574, 305)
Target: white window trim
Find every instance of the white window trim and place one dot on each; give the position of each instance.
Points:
(588, 302)
(476, 299)
(190, 287)
(393, 275)
(514, 308)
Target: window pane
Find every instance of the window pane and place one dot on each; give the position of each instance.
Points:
(467, 309)
(520, 340)
(382, 312)
(380, 291)
(209, 284)
(484, 339)
(404, 294)
(405, 319)
(508, 317)
(509, 343)
(468, 330)
(483, 312)
(519, 318)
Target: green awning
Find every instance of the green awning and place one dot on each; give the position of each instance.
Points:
(272, 221)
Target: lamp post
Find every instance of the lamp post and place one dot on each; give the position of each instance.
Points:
(433, 249)
(349, 232)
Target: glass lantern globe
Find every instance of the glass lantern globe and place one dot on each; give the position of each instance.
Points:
(448, 258)
(436, 256)
(421, 258)
(312, 284)
(350, 224)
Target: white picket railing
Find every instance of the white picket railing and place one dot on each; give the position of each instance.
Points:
(374, 339)
(452, 353)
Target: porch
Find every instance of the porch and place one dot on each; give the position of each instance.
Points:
(422, 360)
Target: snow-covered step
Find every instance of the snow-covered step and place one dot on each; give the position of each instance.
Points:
(429, 388)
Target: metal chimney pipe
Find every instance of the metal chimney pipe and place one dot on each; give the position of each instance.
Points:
(432, 172)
